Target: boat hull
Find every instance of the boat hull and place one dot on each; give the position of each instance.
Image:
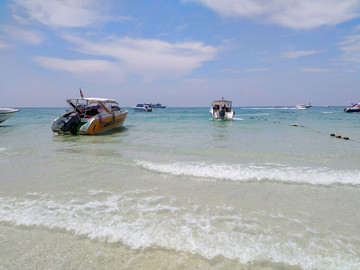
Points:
(227, 116)
(102, 124)
(6, 113)
(143, 108)
(303, 107)
(221, 114)
(350, 110)
(89, 126)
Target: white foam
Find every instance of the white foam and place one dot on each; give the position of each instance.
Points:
(238, 119)
(96, 192)
(142, 220)
(250, 172)
(2, 149)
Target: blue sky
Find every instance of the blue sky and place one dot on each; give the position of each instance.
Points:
(180, 52)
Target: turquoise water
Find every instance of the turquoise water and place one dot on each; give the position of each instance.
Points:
(173, 189)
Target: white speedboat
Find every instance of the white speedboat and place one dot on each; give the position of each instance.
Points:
(354, 108)
(90, 116)
(143, 107)
(221, 109)
(303, 106)
(6, 113)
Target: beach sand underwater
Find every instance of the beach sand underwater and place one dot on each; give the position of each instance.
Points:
(174, 189)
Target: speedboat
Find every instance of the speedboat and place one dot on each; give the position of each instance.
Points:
(90, 116)
(354, 108)
(221, 109)
(6, 113)
(143, 107)
(157, 105)
(303, 106)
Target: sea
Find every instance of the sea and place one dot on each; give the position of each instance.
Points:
(174, 189)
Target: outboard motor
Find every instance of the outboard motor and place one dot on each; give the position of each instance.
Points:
(71, 123)
(222, 114)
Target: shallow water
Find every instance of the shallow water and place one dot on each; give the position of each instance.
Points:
(174, 189)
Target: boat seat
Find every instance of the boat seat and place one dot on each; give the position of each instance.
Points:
(115, 108)
(93, 112)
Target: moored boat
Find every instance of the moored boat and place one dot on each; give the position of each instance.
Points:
(157, 105)
(354, 108)
(6, 113)
(222, 109)
(303, 106)
(143, 107)
(90, 116)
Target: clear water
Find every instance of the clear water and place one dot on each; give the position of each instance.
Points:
(174, 189)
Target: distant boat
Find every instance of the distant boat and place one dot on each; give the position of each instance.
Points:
(6, 113)
(157, 105)
(222, 109)
(143, 107)
(303, 106)
(89, 116)
(354, 108)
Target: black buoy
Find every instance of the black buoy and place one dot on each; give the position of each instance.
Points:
(332, 135)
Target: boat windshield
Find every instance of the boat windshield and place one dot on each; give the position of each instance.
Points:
(112, 106)
(221, 105)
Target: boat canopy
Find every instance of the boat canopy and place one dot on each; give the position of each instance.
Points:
(82, 105)
(222, 102)
(92, 100)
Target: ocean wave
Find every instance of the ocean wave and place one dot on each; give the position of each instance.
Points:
(250, 172)
(144, 219)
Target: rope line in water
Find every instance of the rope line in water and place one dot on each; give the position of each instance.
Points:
(30, 130)
(316, 131)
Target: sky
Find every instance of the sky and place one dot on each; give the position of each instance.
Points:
(181, 53)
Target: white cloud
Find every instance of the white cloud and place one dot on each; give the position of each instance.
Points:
(60, 13)
(29, 36)
(351, 48)
(315, 70)
(90, 70)
(150, 59)
(296, 54)
(247, 70)
(4, 45)
(297, 14)
(255, 70)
